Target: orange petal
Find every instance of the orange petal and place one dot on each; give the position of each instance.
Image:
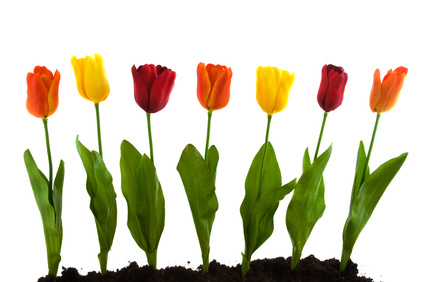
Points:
(204, 85)
(375, 93)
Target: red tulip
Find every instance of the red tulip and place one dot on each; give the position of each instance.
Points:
(152, 86)
(331, 90)
(213, 86)
(42, 93)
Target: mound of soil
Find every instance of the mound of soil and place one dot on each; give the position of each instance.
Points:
(278, 269)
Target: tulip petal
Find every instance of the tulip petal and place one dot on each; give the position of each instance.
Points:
(161, 90)
(391, 87)
(220, 94)
(78, 66)
(140, 92)
(204, 85)
(96, 84)
(266, 89)
(283, 91)
(323, 88)
(375, 93)
(37, 96)
(53, 96)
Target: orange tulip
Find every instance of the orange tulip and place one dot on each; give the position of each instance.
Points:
(384, 96)
(42, 93)
(213, 86)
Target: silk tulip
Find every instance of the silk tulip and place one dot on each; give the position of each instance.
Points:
(42, 93)
(213, 86)
(42, 101)
(91, 78)
(273, 87)
(384, 95)
(332, 86)
(152, 86)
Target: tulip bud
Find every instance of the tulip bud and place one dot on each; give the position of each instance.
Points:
(213, 86)
(384, 96)
(91, 78)
(152, 86)
(273, 87)
(42, 93)
(331, 90)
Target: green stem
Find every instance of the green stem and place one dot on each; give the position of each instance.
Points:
(99, 139)
(208, 136)
(49, 155)
(370, 147)
(260, 187)
(148, 116)
(151, 258)
(321, 134)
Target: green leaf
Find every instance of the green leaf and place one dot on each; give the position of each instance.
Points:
(307, 204)
(261, 201)
(50, 210)
(199, 185)
(145, 200)
(102, 200)
(365, 201)
(213, 161)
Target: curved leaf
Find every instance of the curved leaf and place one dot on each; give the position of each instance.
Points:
(365, 201)
(145, 200)
(199, 185)
(307, 204)
(102, 200)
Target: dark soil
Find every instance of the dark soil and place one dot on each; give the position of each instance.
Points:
(278, 269)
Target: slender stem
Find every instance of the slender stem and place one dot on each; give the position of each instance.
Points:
(49, 155)
(260, 187)
(148, 116)
(321, 134)
(99, 138)
(370, 147)
(208, 136)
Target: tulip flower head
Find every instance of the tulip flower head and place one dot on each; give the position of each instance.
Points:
(384, 96)
(273, 87)
(213, 86)
(152, 86)
(42, 93)
(332, 86)
(91, 78)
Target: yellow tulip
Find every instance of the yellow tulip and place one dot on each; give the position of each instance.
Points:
(91, 78)
(273, 87)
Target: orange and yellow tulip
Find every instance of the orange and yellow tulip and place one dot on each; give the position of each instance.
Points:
(213, 86)
(273, 87)
(384, 96)
(42, 93)
(91, 78)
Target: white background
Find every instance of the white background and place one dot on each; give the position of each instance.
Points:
(298, 36)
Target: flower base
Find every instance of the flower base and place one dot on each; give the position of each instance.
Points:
(278, 269)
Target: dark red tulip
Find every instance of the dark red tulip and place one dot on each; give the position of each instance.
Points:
(152, 86)
(332, 86)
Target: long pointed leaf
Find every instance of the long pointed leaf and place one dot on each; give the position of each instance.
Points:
(363, 205)
(102, 200)
(307, 204)
(199, 185)
(52, 237)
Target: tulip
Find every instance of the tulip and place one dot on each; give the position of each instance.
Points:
(331, 90)
(273, 87)
(384, 96)
(152, 86)
(42, 93)
(91, 78)
(213, 86)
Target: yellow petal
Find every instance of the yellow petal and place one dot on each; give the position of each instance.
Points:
(283, 91)
(78, 66)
